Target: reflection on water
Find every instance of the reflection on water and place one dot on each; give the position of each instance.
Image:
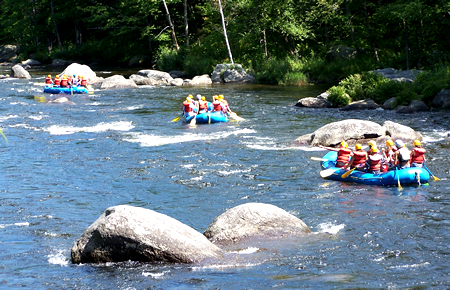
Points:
(65, 164)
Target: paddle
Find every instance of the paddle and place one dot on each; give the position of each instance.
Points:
(318, 159)
(40, 84)
(347, 173)
(398, 179)
(236, 117)
(193, 122)
(177, 118)
(326, 172)
(4, 136)
(432, 175)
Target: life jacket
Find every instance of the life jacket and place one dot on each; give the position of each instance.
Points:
(225, 104)
(187, 107)
(48, 80)
(375, 162)
(57, 81)
(83, 82)
(359, 157)
(203, 105)
(64, 82)
(217, 106)
(418, 156)
(404, 154)
(343, 155)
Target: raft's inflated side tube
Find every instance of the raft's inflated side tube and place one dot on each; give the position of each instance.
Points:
(212, 117)
(65, 90)
(406, 176)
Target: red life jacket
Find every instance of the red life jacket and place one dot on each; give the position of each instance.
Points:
(375, 162)
(187, 107)
(418, 156)
(57, 82)
(64, 83)
(343, 155)
(359, 157)
(217, 106)
(48, 80)
(83, 82)
(202, 105)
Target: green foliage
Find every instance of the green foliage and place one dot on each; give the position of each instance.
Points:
(338, 96)
(405, 97)
(168, 59)
(197, 65)
(387, 90)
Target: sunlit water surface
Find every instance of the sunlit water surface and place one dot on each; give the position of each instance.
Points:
(64, 165)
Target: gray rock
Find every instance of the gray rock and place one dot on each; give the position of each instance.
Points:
(178, 74)
(177, 82)
(324, 96)
(442, 99)
(31, 62)
(414, 107)
(314, 103)
(139, 60)
(18, 71)
(118, 82)
(254, 220)
(341, 52)
(398, 75)
(125, 233)
(389, 104)
(399, 131)
(367, 104)
(357, 131)
(155, 77)
(8, 53)
(231, 73)
(80, 70)
(200, 80)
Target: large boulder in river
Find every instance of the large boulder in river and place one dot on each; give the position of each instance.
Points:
(18, 71)
(8, 52)
(414, 106)
(357, 131)
(117, 82)
(254, 220)
(199, 81)
(126, 232)
(231, 73)
(442, 99)
(80, 70)
(151, 77)
(367, 104)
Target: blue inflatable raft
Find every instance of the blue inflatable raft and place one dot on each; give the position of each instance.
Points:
(65, 90)
(208, 118)
(413, 175)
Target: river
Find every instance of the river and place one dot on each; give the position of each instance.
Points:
(63, 165)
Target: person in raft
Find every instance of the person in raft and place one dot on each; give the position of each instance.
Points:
(48, 80)
(202, 104)
(343, 154)
(57, 81)
(402, 155)
(189, 109)
(358, 158)
(374, 161)
(389, 154)
(418, 155)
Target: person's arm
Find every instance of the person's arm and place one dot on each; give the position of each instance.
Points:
(329, 148)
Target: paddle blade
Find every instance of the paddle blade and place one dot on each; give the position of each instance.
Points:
(399, 185)
(347, 173)
(40, 99)
(435, 178)
(318, 159)
(326, 173)
(236, 117)
(176, 119)
(4, 136)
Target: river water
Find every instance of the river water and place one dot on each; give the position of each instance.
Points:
(65, 164)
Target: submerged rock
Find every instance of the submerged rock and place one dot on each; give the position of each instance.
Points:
(254, 220)
(18, 71)
(126, 232)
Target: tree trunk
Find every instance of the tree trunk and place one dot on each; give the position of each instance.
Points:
(174, 37)
(352, 30)
(149, 39)
(406, 44)
(225, 32)
(371, 38)
(78, 37)
(56, 26)
(266, 51)
(186, 24)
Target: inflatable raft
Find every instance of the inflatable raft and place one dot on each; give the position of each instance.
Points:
(66, 90)
(413, 175)
(208, 118)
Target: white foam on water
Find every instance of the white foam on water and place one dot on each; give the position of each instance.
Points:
(146, 140)
(101, 127)
(155, 275)
(225, 266)
(24, 224)
(330, 228)
(3, 118)
(58, 258)
(223, 172)
(249, 250)
(37, 118)
(409, 266)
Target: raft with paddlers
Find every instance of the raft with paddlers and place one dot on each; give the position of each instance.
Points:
(412, 175)
(208, 118)
(70, 90)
